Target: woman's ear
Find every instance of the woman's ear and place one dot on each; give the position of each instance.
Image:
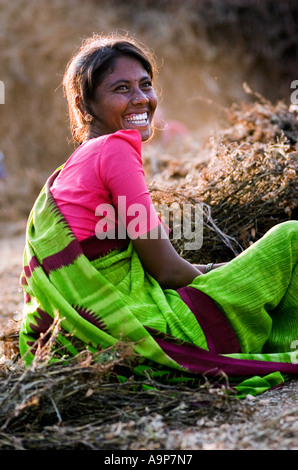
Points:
(78, 102)
(86, 116)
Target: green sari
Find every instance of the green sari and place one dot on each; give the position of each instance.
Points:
(240, 319)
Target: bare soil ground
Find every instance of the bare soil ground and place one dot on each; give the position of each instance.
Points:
(121, 419)
(11, 247)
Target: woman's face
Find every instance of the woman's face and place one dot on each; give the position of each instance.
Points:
(125, 99)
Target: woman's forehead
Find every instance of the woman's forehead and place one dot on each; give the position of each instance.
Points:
(128, 68)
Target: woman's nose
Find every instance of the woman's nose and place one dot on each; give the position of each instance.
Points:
(140, 97)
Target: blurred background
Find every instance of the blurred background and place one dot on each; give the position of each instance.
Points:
(205, 49)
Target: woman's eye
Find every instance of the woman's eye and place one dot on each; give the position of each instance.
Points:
(121, 88)
(124, 87)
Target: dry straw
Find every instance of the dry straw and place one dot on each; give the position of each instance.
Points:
(248, 185)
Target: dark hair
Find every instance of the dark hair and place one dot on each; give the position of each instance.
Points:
(89, 66)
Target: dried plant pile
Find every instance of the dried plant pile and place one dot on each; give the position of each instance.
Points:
(81, 405)
(249, 184)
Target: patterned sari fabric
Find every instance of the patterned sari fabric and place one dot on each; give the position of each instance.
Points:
(239, 320)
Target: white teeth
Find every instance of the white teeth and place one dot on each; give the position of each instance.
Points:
(138, 118)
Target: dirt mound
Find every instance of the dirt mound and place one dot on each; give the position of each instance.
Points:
(203, 48)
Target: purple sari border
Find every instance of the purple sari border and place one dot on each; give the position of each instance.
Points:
(219, 334)
(94, 248)
(199, 361)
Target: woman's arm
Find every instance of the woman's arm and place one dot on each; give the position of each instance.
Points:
(161, 260)
(122, 172)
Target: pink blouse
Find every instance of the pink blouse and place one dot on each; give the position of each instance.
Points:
(101, 189)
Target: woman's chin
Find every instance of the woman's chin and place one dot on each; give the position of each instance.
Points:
(146, 133)
(144, 130)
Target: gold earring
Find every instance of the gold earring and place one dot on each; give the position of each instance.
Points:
(88, 117)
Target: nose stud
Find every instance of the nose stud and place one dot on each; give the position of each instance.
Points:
(143, 98)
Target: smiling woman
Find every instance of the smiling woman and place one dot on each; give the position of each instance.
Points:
(124, 99)
(110, 67)
(240, 318)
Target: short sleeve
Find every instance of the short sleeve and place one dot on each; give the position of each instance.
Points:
(122, 173)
